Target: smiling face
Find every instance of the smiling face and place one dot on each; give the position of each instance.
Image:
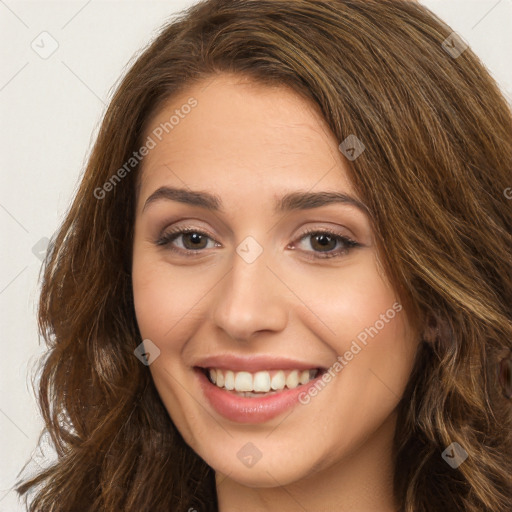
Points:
(283, 297)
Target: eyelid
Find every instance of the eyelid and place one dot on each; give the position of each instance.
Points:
(327, 231)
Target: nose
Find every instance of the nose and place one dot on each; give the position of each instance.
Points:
(251, 298)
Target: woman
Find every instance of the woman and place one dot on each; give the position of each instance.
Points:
(285, 281)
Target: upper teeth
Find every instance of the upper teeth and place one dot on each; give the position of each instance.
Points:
(262, 381)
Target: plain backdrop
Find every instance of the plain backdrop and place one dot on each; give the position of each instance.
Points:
(50, 110)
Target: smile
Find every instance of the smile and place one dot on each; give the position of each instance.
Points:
(253, 390)
(254, 384)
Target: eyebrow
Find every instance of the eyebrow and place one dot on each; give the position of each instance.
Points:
(292, 201)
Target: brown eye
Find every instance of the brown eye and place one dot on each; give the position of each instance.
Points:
(324, 244)
(192, 240)
(196, 240)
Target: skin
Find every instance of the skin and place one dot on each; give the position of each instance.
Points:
(250, 144)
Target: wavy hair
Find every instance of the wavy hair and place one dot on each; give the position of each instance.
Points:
(438, 138)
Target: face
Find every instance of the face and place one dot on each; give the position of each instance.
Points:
(282, 346)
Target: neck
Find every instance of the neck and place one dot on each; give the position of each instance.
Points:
(361, 482)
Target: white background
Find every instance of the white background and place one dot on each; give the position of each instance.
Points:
(50, 110)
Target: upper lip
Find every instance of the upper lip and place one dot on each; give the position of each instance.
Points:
(254, 363)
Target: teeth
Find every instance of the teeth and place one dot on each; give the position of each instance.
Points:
(278, 380)
(229, 380)
(261, 382)
(250, 384)
(243, 381)
(292, 381)
(304, 377)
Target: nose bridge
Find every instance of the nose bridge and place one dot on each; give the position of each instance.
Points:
(250, 298)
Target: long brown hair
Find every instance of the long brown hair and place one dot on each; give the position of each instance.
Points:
(438, 138)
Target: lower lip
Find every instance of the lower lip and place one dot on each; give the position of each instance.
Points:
(251, 410)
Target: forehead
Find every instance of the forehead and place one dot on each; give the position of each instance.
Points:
(257, 138)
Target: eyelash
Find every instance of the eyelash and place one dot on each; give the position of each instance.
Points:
(167, 238)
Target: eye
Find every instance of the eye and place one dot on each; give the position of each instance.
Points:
(324, 242)
(193, 240)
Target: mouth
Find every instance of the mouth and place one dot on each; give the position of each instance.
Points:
(260, 383)
(256, 396)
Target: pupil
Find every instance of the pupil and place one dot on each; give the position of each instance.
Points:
(195, 238)
(323, 240)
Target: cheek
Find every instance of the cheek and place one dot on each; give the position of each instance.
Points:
(376, 321)
(369, 330)
(362, 320)
(350, 299)
(164, 297)
(151, 300)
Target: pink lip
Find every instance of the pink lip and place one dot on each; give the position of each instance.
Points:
(251, 410)
(253, 363)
